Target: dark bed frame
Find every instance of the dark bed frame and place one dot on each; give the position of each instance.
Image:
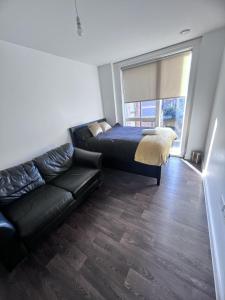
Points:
(129, 166)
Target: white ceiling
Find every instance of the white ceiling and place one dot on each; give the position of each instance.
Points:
(113, 29)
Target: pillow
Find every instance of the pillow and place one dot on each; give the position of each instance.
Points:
(150, 131)
(82, 134)
(105, 126)
(95, 128)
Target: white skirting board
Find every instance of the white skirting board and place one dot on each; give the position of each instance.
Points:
(219, 281)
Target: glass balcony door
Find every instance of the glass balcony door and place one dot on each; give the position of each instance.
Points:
(172, 115)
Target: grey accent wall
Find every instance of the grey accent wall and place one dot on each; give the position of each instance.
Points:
(211, 52)
(105, 74)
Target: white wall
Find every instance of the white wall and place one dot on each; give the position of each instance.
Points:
(107, 92)
(41, 95)
(214, 182)
(210, 56)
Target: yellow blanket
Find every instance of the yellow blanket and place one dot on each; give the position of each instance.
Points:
(155, 149)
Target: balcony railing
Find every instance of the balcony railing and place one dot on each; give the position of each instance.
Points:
(142, 122)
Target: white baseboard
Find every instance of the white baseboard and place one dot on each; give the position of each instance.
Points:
(219, 284)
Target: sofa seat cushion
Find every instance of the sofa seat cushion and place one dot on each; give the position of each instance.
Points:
(37, 209)
(77, 180)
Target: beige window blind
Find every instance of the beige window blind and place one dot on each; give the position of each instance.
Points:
(166, 78)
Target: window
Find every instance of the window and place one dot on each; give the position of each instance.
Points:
(155, 94)
(140, 113)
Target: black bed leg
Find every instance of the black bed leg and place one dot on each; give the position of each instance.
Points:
(159, 176)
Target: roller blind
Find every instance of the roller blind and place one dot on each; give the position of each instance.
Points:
(140, 83)
(166, 78)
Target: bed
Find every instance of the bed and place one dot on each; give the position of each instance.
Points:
(118, 146)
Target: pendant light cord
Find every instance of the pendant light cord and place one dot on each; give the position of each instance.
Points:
(75, 2)
(79, 27)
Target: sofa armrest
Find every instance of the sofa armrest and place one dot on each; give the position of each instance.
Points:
(7, 230)
(88, 158)
(12, 250)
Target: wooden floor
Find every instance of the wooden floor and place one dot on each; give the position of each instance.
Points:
(130, 240)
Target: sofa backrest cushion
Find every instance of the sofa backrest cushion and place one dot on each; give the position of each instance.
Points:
(55, 162)
(17, 181)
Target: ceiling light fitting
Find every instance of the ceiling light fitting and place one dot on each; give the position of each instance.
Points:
(185, 31)
(79, 26)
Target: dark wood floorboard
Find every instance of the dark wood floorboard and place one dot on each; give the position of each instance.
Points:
(130, 240)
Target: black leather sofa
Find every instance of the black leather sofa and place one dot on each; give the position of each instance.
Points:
(36, 196)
